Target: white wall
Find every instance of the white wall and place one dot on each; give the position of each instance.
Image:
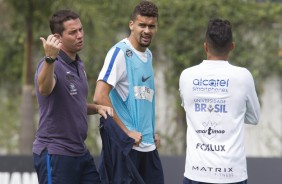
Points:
(265, 139)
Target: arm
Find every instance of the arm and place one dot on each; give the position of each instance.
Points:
(101, 97)
(101, 109)
(157, 140)
(252, 103)
(46, 80)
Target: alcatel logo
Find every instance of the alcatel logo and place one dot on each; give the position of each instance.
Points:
(211, 82)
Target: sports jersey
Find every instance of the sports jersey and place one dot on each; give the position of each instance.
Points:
(63, 114)
(131, 74)
(218, 99)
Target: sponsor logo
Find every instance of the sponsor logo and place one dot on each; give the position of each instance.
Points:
(210, 147)
(210, 130)
(216, 101)
(129, 53)
(211, 85)
(72, 89)
(211, 82)
(144, 79)
(144, 93)
(217, 108)
(69, 76)
(214, 169)
(220, 172)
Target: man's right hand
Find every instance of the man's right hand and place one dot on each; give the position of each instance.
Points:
(51, 46)
(137, 136)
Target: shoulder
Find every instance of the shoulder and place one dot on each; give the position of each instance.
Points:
(115, 54)
(148, 51)
(121, 45)
(241, 71)
(190, 70)
(118, 50)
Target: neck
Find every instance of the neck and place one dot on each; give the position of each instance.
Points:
(212, 57)
(135, 44)
(71, 55)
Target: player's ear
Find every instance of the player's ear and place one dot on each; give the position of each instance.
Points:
(57, 35)
(131, 25)
(232, 46)
(206, 47)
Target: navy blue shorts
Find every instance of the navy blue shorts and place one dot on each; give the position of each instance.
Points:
(188, 181)
(149, 166)
(58, 169)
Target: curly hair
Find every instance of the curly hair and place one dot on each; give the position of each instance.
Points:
(145, 8)
(219, 36)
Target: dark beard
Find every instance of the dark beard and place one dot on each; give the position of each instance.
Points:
(145, 45)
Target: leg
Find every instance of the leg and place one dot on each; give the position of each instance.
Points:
(89, 173)
(64, 169)
(55, 169)
(151, 168)
(40, 165)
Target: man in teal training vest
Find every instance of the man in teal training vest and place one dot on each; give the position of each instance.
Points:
(126, 83)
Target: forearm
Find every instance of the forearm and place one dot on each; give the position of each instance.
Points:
(107, 102)
(252, 104)
(46, 81)
(120, 123)
(101, 97)
(91, 109)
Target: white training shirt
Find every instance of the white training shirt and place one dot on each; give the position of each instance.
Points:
(218, 99)
(118, 79)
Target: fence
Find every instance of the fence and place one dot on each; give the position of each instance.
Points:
(19, 170)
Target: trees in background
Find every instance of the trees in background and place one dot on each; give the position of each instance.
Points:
(184, 23)
(182, 33)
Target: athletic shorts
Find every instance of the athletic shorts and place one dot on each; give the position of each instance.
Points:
(59, 169)
(188, 181)
(149, 166)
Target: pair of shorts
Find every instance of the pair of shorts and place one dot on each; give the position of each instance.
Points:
(60, 169)
(188, 181)
(148, 165)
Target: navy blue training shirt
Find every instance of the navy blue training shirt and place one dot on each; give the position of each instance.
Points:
(63, 114)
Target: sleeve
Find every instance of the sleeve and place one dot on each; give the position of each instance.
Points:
(39, 68)
(252, 102)
(114, 68)
(180, 88)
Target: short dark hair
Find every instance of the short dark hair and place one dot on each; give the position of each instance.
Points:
(219, 36)
(57, 20)
(145, 8)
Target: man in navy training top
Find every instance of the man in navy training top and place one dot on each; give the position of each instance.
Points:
(60, 153)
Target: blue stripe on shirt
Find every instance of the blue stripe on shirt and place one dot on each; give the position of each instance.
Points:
(108, 72)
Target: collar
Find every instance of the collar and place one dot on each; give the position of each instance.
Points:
(66, 58)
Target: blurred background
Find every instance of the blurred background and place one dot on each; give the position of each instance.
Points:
(257, 31)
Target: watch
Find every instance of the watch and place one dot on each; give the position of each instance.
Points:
(49, 59)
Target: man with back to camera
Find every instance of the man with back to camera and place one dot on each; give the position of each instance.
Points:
(218, 99)
(59, 150)
(126, 83)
